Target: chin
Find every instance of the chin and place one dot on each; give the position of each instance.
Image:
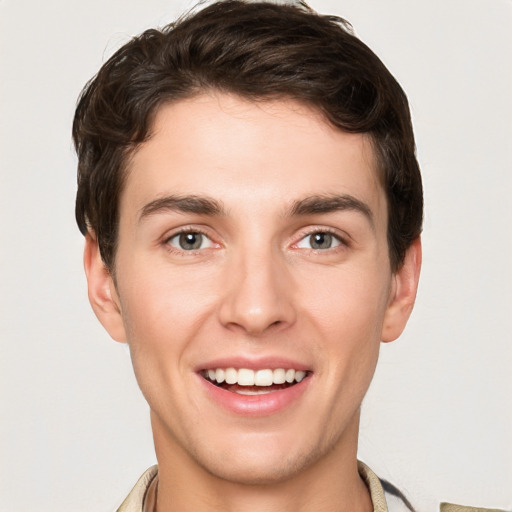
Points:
(257, 472)
(261, 462)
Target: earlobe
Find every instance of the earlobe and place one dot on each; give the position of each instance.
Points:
(101, 290)
(403, 294)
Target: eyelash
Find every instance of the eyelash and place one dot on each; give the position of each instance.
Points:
(342, 241)
(185, 231)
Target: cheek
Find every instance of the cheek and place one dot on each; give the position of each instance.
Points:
(347, 300)
(348, 311)
(163, 303)
(163, 313)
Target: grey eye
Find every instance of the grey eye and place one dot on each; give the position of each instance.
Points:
(320, 240)
(190, 241)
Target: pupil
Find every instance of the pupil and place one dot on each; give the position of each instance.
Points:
(190, 241)
(321, 241)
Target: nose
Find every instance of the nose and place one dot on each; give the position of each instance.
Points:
(258, 294)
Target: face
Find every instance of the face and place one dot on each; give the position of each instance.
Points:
(253, 285)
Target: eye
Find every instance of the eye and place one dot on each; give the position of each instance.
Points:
(190, 241)
(320, 240)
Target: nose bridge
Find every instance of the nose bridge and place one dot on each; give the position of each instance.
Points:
(258, 293)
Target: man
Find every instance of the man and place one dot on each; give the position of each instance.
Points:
(252, 208)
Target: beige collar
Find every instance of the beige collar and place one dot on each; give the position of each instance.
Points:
(142, 496)
(374, 486)
(134, 502)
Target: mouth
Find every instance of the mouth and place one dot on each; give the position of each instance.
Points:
(245, 381)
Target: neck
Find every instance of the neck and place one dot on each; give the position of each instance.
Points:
(329, 484)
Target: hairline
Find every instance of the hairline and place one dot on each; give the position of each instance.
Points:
(208, 89)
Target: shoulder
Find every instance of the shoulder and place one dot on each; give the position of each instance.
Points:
(387, 498)
(451, 507)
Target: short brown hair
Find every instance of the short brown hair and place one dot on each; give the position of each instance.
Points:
(257, 50)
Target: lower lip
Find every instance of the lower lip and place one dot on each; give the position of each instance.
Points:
(255, 405)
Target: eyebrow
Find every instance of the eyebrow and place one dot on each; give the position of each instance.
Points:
(319, 204)
(311, 205)
(183, 204)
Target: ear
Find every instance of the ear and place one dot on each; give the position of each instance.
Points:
(403, 293)
(102, 292)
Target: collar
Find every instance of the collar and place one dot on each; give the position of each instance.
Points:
(142, 495)
(134, 502)
(374, 486)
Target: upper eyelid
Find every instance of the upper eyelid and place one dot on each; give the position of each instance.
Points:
(190, 229)
(166, 242)
(342, 236)
(186, 232)
(167, 239)
(302, 233)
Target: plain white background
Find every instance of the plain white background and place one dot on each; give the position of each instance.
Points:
(74, 429)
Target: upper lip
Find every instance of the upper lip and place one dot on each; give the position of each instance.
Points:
(253, 363)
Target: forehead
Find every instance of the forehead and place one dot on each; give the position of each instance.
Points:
(243, 152)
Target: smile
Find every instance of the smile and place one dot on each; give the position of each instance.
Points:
(245, 381)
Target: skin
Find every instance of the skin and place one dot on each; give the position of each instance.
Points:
(255, 288)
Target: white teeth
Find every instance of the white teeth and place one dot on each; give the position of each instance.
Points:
(279, 376)
(231, 376)
(246, 377)
(220, 375)
(243, 391)
(264, 378)
(290, 375)
(299, 375)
